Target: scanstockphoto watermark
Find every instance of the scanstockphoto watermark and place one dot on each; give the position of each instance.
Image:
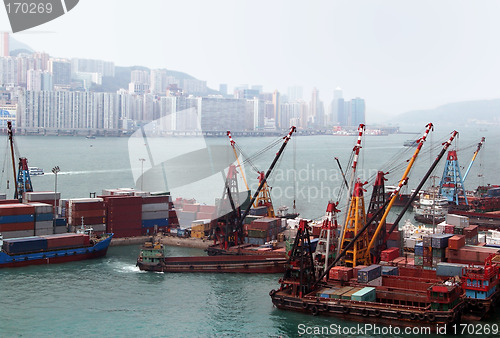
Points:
(310, 183)
(370, 330)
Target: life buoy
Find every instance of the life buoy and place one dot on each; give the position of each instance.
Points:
(377, 313)
(431, 317)
(305, 305)
(314, 310)
(345, 309)
(364, 313)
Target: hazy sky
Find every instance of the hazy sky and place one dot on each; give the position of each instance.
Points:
(397, 55)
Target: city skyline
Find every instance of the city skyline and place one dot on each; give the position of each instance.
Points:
(398, 57)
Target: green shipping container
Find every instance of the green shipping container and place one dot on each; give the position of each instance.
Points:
(367, 294)
(257, 233)
(338, 293)
(349, 294)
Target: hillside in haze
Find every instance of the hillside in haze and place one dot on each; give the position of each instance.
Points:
(467, 113)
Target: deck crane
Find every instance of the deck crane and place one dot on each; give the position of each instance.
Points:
(479, 145)
(233, 234)
(23, 181)
(264, 197)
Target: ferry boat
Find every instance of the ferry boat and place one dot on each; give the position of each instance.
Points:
(152, 258)
(35, 171)
(52, 249)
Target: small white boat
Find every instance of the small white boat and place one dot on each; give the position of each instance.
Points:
(35, 171)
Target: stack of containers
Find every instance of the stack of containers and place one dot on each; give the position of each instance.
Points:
(342, 273)
(187, 214)
(200, 228)
(439, 245)
(262, 230)
(427, 252)
(44, 218)
(459, 223)
(124, 215)
(419, 254)
(155, 213)
(207, 212)
(471, 235)
(90, 211)
(470, 254)
(17, 220)
(395, 239)
(48, 197)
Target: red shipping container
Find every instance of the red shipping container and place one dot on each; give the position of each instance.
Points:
(471, 231)
(17, 226)
(208, 209)
(87, 220)
(389, 254)
(88, 213)
(87, 206)
(205, 215)
(9, 201)
(340, 273)
(16, 209)
(67, 240)
(449, 229)
(122, 200)
(191, 207)
(456, 242)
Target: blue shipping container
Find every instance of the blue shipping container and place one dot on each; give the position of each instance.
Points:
(440, 241)
(60, 222)
(44, 217)
(26, 244)
(419, 249)
(450, 269)
(16, 219)
(390, 271)
(150, 223)
(369, 273)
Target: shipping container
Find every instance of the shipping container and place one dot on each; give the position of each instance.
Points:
(16, 209)
(44, 225)
(450, 269)
(155, 207)
(26, 244)
(427, 241)
(366, 294)
(44, 217)
(341, 273)
(457, 220)
(259, 211)
(419, 249)
(337, 294)
(369, 273)
(151, 223)
(456, 242)
(389, 254)
(347, 295)
(42, 208)
(17, 233)
(154, 214)
(390, 271)
(39, 196)
(17, 227)
(419, 260)
(440, 241)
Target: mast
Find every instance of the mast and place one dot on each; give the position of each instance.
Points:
(233, 145)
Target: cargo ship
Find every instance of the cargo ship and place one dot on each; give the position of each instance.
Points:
(431, 207)
(52, 249)
(152, 258)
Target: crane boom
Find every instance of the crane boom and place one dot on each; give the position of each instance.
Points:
(264, 179)
(479, 145)
(233, 144)
(402, 182)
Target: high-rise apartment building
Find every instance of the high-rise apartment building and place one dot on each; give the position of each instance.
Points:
(61, 72)
(4, 44)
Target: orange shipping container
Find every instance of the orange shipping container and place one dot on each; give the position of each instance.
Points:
(456, 242)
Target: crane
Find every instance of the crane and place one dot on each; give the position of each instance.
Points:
(479, 145)
(23, 181)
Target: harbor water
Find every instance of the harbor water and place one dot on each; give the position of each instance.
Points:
(111, 297)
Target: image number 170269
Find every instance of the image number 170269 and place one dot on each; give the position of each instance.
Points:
(28, 7)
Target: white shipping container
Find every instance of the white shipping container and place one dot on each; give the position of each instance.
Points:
(44, 225)
(43, 232)
(42, 208)
(155, 207)
(17, 234)
(34, 196)
(142, 193)
(60, 230)
(457, 220)
(154, 215)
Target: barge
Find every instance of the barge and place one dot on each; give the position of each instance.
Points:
(52, 249)
(152, 258)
